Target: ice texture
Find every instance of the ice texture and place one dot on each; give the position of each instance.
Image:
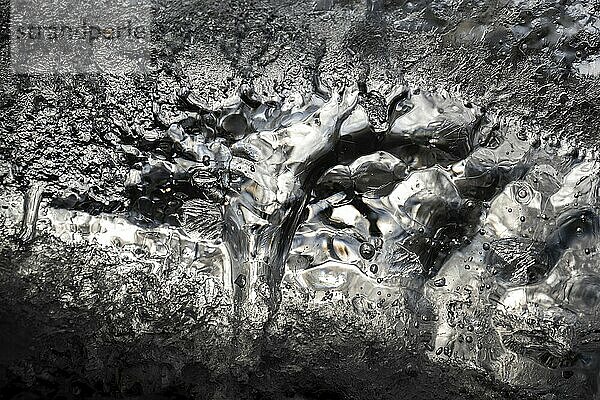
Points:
(476, 238)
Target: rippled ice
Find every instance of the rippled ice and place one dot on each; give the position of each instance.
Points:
(444, 204)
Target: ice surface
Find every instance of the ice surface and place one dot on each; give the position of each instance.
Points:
(445, 211)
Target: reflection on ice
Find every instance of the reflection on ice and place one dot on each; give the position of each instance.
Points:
(167, 247)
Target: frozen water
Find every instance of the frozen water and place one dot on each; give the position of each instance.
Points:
(443, 209)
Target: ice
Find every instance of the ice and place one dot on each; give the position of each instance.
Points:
(443, 211)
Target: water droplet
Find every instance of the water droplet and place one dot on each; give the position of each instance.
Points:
(486, 246)
(240, 280)
(440, 282)
(374, 268)
(367, 251)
